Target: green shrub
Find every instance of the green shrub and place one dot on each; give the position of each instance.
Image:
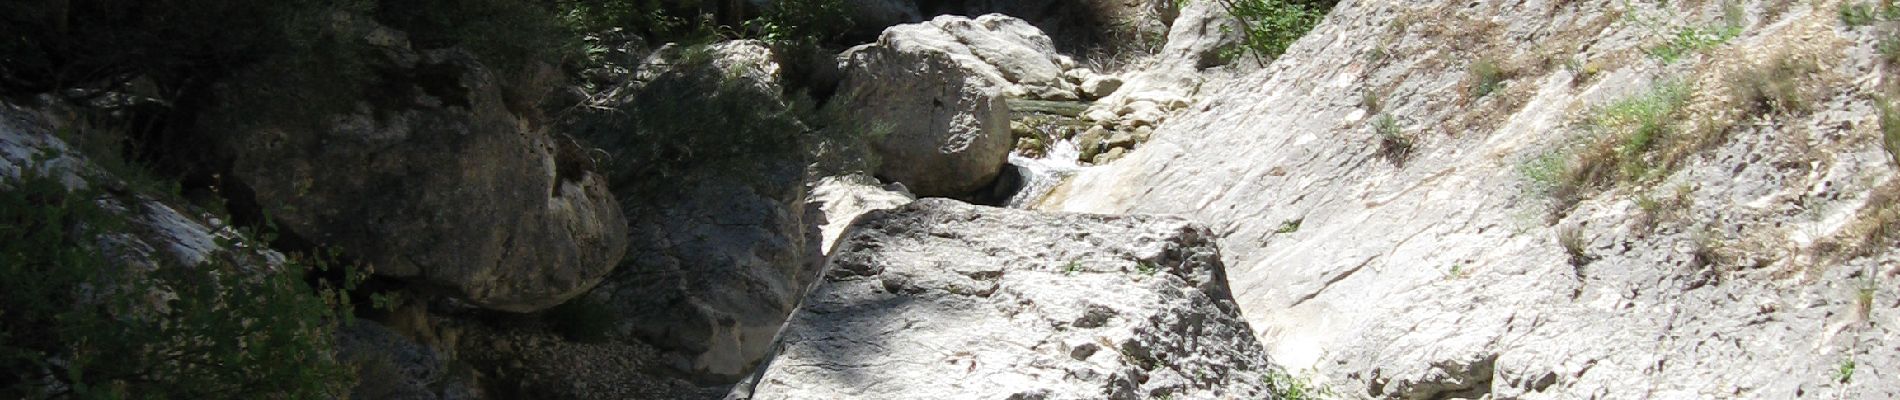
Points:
(1635, 125)
(1486, 77)
(80, 325)
(1393, 142)
(1269, 27)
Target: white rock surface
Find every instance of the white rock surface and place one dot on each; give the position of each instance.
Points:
(836, 201)
(944, 300)
(1438, 277)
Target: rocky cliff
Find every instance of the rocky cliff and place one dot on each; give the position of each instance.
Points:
(1550, 199)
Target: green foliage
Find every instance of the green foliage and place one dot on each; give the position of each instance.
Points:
(1889, 128)
(1486, 77)
(801, 24)
(1146, 268)
(1844, 373)
(583, 319)
(1689, 40)
(1269, 27)
(1393, 142)
(78, 324)
(1855, 15)
(1072, 268)
(1634, 126)
(1289, 226)
(1288, 387)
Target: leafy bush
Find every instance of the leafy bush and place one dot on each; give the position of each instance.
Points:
(78, 324)
(1269, 27)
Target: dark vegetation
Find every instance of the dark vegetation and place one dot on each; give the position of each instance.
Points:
(80, 324)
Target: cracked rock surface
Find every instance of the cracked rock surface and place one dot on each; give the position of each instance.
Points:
(944, 300)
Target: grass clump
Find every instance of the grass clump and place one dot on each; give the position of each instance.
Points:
(1571, 238)
(1889, 129)
(1394, 144)
(1689, 40)
(1633, 127)
(1269, 27)
(1863, 14)
(1776, 87)
(79, 324)
(1486, 77)
(1289, 226)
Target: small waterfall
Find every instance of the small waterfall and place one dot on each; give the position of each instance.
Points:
(1041, 175)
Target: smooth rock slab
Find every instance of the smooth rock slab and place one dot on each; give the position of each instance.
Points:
(943, 300)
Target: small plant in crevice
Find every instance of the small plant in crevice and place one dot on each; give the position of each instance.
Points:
(1574, 244)
(1689, 40)
(1776, 87)
(1889, 128)
(1146, 268)
(1371, 101)
(1864, 291)
(1072, 268)
(1706, 249)
(1285, 386)
(1289, 226)
(1844, 372)
(1457, 271)
(1486, 77)
(1394, 144)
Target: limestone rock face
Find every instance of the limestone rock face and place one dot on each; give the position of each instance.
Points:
(944, 300)
(1441, 275)
(719, 255)
(433, 180)
(933, 94)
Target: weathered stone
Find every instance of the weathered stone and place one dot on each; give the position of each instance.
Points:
(938, 107)
(719, 255)
(1100, 86)
(1439, 278)
(944, 300)
(434, 180)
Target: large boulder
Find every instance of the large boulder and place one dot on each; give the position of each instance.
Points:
(932, 97)
(427, 176)
(943, 300)
(719, 255)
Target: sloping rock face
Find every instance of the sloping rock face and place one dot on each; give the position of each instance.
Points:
(433, 180)
(941, 299)
(1437, 272)
(718, 255)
